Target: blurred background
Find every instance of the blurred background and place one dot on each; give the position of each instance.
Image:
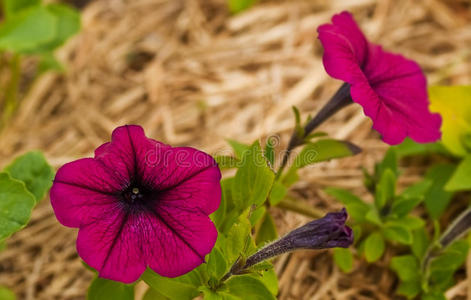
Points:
(197, 72)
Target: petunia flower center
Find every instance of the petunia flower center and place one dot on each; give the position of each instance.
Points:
(133, 194)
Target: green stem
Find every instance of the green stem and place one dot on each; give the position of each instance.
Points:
(11, 91)
(300, 207)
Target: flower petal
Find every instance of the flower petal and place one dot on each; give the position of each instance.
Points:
(163, 167)
(180, 241)
(345, 48)
(391, 88)
(83, 190)
(113, 245)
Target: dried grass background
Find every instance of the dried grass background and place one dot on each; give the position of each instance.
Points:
(192, 74)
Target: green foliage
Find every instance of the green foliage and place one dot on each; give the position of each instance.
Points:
(374, 247)
(168, 287)
(237, 6)
(108, 289)
(344, 259)
(267, 230)
(319, 151)
(16, 204)
(253, 180)
(32, 28)
(6, 294)
(461, 177)
(33, 169)
(248, 287)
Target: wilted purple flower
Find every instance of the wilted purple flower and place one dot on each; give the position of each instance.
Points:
(327, 232)
(139, 203)
(391, 88)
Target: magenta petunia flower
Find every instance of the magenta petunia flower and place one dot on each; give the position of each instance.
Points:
(391, 88)
(139, 203)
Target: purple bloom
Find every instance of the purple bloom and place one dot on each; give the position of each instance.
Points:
(327, 232)
(391, 88)
(139, 203)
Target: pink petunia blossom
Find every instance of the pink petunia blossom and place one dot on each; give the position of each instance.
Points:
(391, 88)
(139, 203)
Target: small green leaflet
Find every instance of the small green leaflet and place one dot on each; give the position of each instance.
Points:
(407, 267)
(253, 180)
(319, 151)
(343, 257)
(374, 247)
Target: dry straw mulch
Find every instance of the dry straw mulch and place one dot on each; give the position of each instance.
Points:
(192, 74)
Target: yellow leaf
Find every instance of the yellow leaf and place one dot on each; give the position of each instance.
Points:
(454, 104)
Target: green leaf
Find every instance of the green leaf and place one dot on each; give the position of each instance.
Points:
(356, 208)
(169, 287)
(410, 289)
(12, 7)
(406, 267)
(16, 204)
(420, 242)
(237, 240)
(385, 189)
(257, 214)
(6, 294)
(226, 162)
(454, 105)
(108, 289)
(278, 193)
(410, 222)
(436, 198)
(270, 151)
(239, 148)
(68, 24)
(460, 179)
(389, 162)
(267, 230)
(373, 217)
(320, 151)
(403, 206)
(434, 296)
(324, 150)
(344, 259)
(269, 279)
(452, 258)
(27, 29)
(253, 180)
(237, 6)
(374, 247)
(397, 233)
(152, 294)
(417, 190)
(216, 263)
(409, 148)
(33, 169)
(248, 287)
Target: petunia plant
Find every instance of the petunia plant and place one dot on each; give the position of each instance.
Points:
(149, 211)
(146, 210)
(23, 183)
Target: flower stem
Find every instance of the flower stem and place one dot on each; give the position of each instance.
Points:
(340, 99)
(457, 229)
(300, 207)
